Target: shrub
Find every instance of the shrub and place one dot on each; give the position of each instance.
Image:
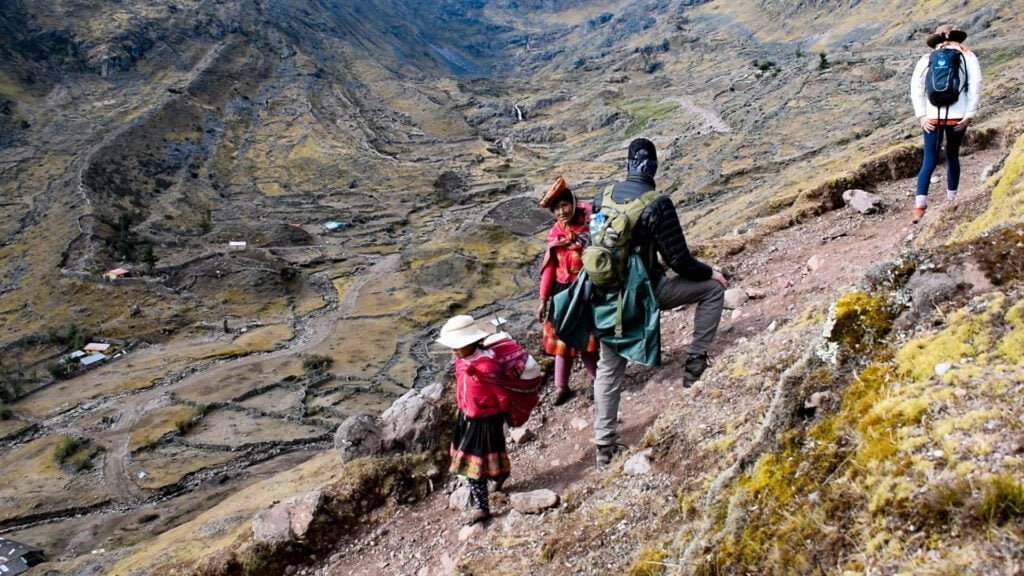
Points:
(67, 446)
(73, 336)
(1002, 501)
(314, 363)
(81, 462)
(58, 369)
(189, 421)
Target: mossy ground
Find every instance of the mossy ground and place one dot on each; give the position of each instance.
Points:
(1007, 199)
(905, 473)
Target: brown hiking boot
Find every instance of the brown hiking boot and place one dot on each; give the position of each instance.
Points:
(917, 214)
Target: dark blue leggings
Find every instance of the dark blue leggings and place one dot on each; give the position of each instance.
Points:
(931, 157)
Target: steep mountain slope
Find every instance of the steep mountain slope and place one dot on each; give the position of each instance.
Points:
(150, 135)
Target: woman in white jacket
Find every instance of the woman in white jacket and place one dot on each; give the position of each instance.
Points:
(947, 122)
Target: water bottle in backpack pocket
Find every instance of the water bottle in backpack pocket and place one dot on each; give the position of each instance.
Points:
(606, 260)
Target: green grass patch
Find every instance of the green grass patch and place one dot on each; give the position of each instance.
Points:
(76, 454)
(642, 112)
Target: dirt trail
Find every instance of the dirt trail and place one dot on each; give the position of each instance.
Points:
(422, 539)
(710, 117)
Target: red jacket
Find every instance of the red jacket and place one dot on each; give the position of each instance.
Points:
(563, 259)
(477, 399)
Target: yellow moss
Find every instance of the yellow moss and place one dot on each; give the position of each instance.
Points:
(610, 512)
(969, 421)
(864, 391)
(963, 469)
(968, 334)
(688, 502)
(861, 320)
(887, 490)
(722, 445)
(739, 368)
(1011, 346)
(1006, 202)
(809, 317)
(649, 562)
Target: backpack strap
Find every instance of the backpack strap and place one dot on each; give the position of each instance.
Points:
(646, 198)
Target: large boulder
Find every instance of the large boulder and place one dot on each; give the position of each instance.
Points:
(288, 520)
(358, 436)
(533, 502)
(412, 423)
(734, 298)
(863, 201)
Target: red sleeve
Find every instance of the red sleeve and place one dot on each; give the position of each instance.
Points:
(547, 275)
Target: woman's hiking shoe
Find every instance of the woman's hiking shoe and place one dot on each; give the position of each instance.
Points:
(607, 453)
(917, 214)
(475, 516)
(694, 368)
(563, 395)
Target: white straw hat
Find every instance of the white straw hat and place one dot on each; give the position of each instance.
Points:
(461, 331)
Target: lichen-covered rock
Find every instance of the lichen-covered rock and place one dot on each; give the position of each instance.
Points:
(412, 423)
(358, 436)
(858, 321)
(288, 520)
(930, 288)
(638, 464)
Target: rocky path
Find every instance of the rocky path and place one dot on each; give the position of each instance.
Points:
(423, 539)
(710, 118)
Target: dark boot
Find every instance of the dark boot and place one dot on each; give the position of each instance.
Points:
(605, 454)
(695, 366)
(563, 395)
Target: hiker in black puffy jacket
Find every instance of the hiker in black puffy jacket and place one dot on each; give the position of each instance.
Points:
(657, 232)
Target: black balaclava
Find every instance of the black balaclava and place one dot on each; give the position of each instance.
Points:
(643, 158)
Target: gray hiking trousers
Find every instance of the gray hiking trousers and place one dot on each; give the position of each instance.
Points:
(672, 292)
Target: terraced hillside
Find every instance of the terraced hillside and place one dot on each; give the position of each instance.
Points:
(150, 136)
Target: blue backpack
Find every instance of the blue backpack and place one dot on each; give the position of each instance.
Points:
(942, 82)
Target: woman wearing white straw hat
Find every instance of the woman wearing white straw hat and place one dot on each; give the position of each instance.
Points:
(478, 448)
(945, 90)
